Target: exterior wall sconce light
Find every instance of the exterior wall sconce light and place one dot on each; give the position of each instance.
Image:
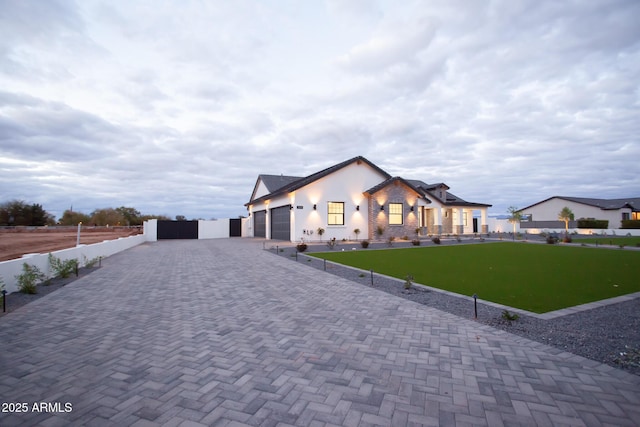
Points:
(381, 207)
(357, 207)
(290, 207)
(315, 207)
(411, 209)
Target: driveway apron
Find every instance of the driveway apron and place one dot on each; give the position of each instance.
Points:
(220, 332)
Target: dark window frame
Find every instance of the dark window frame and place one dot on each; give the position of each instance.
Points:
(396, 215)
(335, 213)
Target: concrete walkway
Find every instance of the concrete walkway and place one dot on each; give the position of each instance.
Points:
(219, 332)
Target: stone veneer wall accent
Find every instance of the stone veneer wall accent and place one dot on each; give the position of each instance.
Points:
(393, 193)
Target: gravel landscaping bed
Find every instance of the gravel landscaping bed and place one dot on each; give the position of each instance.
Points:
(609, 334)
(15, 300)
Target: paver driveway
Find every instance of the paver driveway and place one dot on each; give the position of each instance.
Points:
(219, 332)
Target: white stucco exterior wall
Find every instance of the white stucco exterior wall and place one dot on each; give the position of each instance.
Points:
(346, 185)
(213, 229)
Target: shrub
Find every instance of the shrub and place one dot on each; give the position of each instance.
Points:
(405, 237)
(567, 239)
(28, 280)
(408, 280)
(390, 240)
(551, 240)
(415, 242)
(364, 244)
(380, 230)
(90, 262)
(509, 316)
(630, 223)
(63, 268)
(436, 240)
(332, 243)
(593, 223)
(301, 247)
(356, 232)
(320, 231)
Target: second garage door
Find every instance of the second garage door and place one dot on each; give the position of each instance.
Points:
(281, 223)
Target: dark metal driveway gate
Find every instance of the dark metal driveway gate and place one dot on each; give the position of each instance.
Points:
(177, 229)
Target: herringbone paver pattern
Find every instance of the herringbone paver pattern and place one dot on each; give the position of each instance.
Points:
(219, 332)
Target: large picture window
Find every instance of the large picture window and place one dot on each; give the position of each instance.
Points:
(395, 214)
(335, 213)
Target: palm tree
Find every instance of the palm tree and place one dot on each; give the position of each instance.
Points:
(566, 215)
(514, 218)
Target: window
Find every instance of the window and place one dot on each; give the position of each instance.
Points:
(635, 216)
(335, 213)
(395, 214)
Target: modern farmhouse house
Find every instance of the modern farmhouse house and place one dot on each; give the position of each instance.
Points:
(544, 214)
(357, 195)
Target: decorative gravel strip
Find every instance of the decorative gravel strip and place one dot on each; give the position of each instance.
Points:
(609, 334)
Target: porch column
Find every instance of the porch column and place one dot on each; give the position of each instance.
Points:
(459, 227)
(483, 221)
(437, 222)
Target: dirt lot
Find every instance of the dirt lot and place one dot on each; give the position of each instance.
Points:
(19, 241)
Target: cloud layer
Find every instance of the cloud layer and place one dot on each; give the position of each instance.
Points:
(174, 108)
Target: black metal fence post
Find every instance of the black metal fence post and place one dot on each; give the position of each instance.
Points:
(475, 306)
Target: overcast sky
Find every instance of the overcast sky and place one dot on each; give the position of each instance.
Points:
(175, 107)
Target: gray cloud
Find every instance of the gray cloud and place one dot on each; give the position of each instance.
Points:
(176, 110)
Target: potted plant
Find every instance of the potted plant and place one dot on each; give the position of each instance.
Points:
(320, 232)
(356, 232)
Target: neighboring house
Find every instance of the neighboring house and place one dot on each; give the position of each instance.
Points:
(544, 214)
(356, 194)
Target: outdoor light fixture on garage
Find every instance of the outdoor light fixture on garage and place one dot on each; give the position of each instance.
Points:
(357, 207)
(315, 207)
(381, 207)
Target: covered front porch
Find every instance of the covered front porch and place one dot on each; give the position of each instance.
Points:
(435, 220)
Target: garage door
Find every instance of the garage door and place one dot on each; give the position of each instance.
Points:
(281, 223)
(177, 229)
(260, 224)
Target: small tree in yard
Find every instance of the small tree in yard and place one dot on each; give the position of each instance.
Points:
(566, 215)
(514, 218)
(356, 232)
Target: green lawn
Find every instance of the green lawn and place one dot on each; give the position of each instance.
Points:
(609, 240)
(533, 277)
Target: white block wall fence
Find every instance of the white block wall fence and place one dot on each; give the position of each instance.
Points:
(213, 229)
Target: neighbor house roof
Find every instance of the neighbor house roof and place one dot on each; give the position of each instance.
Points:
(301, 182)
(632, 203)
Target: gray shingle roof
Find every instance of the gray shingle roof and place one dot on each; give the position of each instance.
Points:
(386, 182)
(279, 184)
(276, 182)
(301, 182)
(606, 204)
